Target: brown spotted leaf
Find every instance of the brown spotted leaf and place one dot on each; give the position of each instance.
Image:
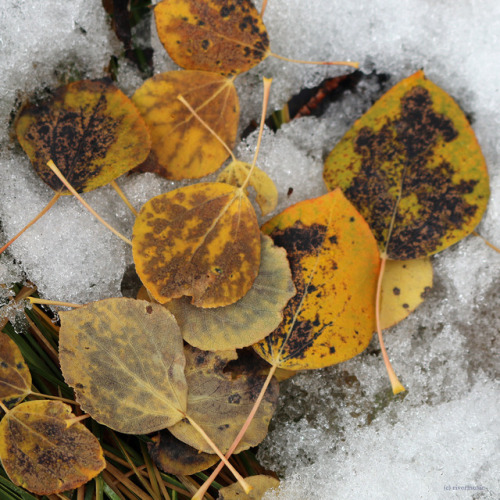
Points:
(202, 241)
(175, 457)
(221, 404)
(335, 262)
(15, 377)
(236, 174)
(250, 319)
(260, 484)
(412, 163)
(125, 360)
(44, 452)
(224, 36)
(182, 148)
(91, 131)
(405, 285)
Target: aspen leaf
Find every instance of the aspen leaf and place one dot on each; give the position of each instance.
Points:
(334, 261)
(260, 484)
(44, 452)
(250, 319)
(220, 404)
(182, 148)
(89, 129)
(224, 36)
(201, 240)
(175, 457)
(413, 168)
(236, 174)
(15, 377)
(404, 287)
(125, 360)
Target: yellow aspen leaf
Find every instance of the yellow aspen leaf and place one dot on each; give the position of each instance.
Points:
(220, 404)
(250, 319)
(90, 129)
(175, 457)
(236, 174)
(260, 484)
(15, 377)
(44, 452)
(334, 261)
(224, 36)
(125, 360)
(413, 168)
(182, 148)
(201, 240)
(405, 285)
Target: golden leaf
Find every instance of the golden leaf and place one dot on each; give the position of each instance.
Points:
(182, 148)
(15, 377)
(44, 452)
(260, 484)
(236, 174)
(125, 360)
(89, 129)
(201, 240)
(413, 168)
(224, 36)
(404, 287)
(334, 261)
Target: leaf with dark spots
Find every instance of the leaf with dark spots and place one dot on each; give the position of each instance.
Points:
(45, 453)
(413, 168)
(221, 403)
(175, 457)
(182, 148)
(15, 377)
(89, 129)
(224, 36)
(249, 319)
(332, 254)
(405, 285)
(125, 360)
(202, 241)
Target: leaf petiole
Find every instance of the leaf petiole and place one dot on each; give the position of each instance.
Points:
(73, 191)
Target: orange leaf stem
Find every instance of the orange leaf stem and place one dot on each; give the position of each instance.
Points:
(73, 191)
(475, 233)
(322, 63)
(49, 205)
(267, 88)
(246, 487)
(121, 194)
(397, 387)
(34, 300)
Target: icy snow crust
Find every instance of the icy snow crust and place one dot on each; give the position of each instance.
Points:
(339, 434)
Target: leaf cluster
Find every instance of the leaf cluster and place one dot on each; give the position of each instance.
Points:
(305, 291)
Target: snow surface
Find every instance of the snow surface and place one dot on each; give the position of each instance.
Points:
(339, 432)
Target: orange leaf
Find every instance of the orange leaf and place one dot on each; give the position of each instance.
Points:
(334, 261)
(224, 36)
